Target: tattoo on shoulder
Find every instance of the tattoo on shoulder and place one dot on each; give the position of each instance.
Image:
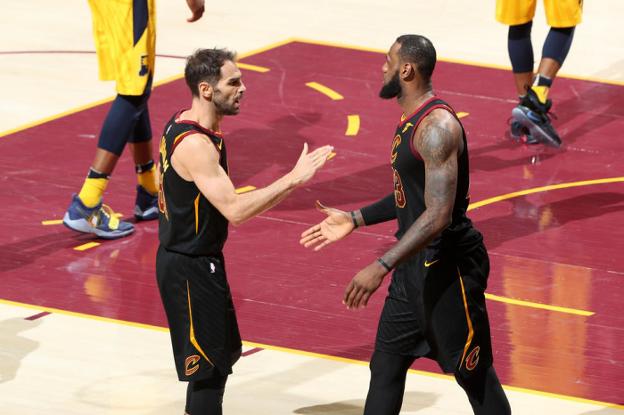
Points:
(436, 142)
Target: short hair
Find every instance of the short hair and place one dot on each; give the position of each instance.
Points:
(420, 51)
(205, 65)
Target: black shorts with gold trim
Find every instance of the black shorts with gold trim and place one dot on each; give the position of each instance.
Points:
(202, 321)
(435, 308)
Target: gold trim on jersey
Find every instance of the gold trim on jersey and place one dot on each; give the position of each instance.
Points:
(196, 203)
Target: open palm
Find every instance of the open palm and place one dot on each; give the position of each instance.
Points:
(336, 226)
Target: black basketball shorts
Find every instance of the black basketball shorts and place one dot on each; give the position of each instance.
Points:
(436, 308)
(202, 321)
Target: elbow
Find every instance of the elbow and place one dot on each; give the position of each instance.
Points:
(233, 217)
(236, 220)
(443, 221)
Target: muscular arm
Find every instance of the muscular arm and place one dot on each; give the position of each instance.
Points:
(196, 159)
(438, 140)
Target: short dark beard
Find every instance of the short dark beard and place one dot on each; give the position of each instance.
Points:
(392, 89)
(222, 106)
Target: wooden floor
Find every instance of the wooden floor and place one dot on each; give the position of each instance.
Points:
(82, 331)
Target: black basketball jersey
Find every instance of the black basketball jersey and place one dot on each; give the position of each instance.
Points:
(408, 170)
(189, 223)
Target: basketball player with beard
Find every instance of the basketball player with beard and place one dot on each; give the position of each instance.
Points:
(197, 201)
(435, 306)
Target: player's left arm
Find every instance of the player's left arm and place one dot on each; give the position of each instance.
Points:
(439, 142)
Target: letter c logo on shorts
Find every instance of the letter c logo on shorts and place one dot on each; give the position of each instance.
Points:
(473, 358)
(191, 365)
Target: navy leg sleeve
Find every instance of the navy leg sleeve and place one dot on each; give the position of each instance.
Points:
(557, 44)
(520, 47)
(127, 120)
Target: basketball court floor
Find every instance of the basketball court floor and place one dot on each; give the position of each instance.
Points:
(81, 325)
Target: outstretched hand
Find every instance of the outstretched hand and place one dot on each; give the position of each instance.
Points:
(336, 226)
(309, 163)
(197, 8)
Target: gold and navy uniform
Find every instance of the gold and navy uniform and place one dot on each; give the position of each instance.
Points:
(559, 13)
(435, 305)
(190, 267)
(125, 42)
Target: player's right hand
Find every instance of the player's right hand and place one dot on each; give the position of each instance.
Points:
(309, 163)
(336, 226)
(197, 8)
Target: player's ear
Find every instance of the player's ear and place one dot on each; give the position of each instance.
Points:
(408, 71)
(205, 90)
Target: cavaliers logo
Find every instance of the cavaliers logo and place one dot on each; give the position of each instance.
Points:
(399, 194)
(190, 364)
(473, 358)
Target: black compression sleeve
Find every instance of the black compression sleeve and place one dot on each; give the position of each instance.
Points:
(380, 211)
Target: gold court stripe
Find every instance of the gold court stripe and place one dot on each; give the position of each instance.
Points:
(245, 189)
(331, 155)
(275, 45)
(86, 246)
(163, 81)
(353, 125)
(325, 90)
(450, 60)
(525, 192)
(52, 222)
(539, 305)
(302, 352)
(254, 68)
(462, 114)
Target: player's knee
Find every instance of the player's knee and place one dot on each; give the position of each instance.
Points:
(520, 47)
(387, 368)
(521, 31)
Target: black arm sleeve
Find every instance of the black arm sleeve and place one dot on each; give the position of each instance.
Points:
(380, 211)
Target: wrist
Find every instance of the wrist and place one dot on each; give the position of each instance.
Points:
(354, 220)
(291, 180)
(384, 264)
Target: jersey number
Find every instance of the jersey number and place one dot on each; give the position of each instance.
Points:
(399, 193)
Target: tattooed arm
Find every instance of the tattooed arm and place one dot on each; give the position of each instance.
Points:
(438, 140)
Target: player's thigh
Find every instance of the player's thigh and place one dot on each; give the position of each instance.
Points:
(515, 12)
(563, 13)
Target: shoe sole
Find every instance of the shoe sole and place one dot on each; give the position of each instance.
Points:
(81, 225)
(149, 214)
(534, 129)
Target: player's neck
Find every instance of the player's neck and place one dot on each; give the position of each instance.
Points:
(410, 101)
(204, 114)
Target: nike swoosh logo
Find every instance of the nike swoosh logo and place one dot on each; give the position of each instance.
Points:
(428, 264)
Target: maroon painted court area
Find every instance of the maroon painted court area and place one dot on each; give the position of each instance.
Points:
(562, 247)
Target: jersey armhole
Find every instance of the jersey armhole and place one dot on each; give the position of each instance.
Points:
(185, 134)
(413, 149)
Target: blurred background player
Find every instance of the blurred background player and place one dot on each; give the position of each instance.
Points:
(530, 117)
(125, 41)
